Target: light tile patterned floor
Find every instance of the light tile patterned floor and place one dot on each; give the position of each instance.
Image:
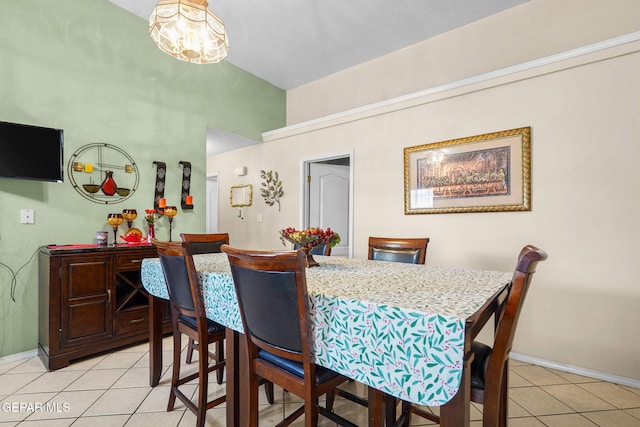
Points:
(113, 390)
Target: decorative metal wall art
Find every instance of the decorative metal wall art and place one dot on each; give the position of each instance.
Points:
(186, 200)
(103, 173)
(271, 189)
(161, 173)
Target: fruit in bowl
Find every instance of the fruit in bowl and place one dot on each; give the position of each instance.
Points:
(309, 237)
(133, 235)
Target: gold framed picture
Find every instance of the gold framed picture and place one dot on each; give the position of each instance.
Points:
(482, 173)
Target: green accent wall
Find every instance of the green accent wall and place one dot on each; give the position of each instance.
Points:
(91, 69)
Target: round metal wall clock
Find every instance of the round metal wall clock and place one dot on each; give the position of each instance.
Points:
(103, 173)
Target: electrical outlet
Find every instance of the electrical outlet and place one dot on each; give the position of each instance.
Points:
(27, 216)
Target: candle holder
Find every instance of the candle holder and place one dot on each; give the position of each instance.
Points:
(114, 220)
(170, 212)
(129, 215)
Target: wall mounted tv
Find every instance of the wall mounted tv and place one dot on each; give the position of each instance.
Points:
(31, 152)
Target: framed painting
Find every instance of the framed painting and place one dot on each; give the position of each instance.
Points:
(483, 173)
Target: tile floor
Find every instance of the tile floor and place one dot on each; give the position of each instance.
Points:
(113, 390)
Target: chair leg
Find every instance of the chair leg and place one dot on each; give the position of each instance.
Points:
(405, 416)
(219, 358)
(203, 383)
(390, 404)
(330, 399)
(175, 373)
(268, 391)
(191, 346)
(504, 397)
(311, 412)
(253, 400)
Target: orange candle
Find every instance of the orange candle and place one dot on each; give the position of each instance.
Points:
(189, 200)
(162, 203)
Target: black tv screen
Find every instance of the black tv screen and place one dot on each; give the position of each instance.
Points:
(31, 152)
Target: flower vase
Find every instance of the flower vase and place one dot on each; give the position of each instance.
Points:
(109, 186)
(151, 234)
(309, 261)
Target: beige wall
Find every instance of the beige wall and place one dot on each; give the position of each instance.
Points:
(533, 30)
(583, 308)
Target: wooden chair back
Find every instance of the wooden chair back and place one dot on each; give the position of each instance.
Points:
(490, 367)
(271, 288)
(495, 378)
(409, 250)
(189, 317)
(272, 295)
(182, 279)
(204, 243)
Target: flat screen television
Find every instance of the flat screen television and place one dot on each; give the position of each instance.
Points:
(31, 152)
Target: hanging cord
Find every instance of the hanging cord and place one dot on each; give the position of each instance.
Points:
(14, 275)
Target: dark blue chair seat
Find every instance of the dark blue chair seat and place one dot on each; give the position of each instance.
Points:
(211, 325)
(296, 368)
(480, 363)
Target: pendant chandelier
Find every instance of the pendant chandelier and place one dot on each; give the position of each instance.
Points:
(187, 30)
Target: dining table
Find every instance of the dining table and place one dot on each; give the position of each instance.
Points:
(404, 330)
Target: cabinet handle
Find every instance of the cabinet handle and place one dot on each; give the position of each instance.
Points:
(108, 296)
(137, 320)
(136, 261)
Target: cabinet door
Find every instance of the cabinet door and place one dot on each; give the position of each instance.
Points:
(86, 308)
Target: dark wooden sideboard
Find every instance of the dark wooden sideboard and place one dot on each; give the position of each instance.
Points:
(91, 300)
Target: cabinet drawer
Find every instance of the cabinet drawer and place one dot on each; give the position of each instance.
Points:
(132, 261)
(132, 320)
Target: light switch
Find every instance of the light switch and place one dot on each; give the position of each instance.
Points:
(259, 218)
(27, 216)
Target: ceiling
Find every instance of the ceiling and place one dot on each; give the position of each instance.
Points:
(292, 42)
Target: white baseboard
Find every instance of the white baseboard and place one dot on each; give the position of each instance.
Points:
(18, 356)
(576, 370)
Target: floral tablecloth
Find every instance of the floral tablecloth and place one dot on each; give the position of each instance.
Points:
(393, 326)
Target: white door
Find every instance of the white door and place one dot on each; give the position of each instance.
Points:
(212, 204)
(329, 201)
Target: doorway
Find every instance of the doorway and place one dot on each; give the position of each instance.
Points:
(328, 197)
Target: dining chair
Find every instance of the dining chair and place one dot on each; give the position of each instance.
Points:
(271, 288)
(317, 250)
(209, 243)
(409, 250)
(490, 366)
(204, 244)
(189, 318)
